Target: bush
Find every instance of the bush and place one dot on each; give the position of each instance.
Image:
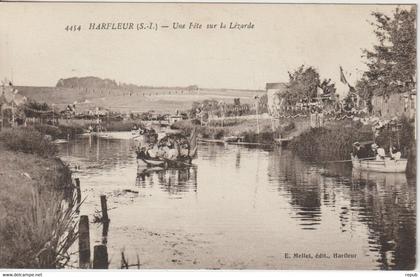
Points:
(28, 140)
(121, 126)
(265, 137)
(321, 144)
(71, 131)
(50, 130)
(61, 131)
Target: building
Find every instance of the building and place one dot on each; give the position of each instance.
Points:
(174, 118)
(274, 97)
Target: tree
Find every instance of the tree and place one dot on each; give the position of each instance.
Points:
(303, 84)
(392, 62)
(327, 87)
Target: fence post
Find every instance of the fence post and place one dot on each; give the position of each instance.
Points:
(84, 242)
(104, 208)
(100, 257)
(79, 193)
(105, 228)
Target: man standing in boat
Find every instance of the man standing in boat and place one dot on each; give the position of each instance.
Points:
(360, 151)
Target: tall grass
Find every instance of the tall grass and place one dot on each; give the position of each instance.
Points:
(120, 126)
(38, 216)
(321, 144)
(42, 235)
(60, 131)
(336, 143)
(244, 128)
(28, 140)
(37, 206)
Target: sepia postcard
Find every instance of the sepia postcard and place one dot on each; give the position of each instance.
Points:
(207, 136)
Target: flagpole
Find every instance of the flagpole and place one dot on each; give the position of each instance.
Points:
(13, 114)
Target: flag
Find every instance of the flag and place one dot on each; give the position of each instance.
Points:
(342, 77)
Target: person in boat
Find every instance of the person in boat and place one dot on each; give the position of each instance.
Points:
(359, 151)
(395, 153)
(150, 135)
(153, 151)
(184, 149)
(173, 150)
(373, 150)
(380, 154)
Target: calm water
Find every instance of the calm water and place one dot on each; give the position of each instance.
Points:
(246, 208)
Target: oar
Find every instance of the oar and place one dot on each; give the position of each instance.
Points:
(343, 161)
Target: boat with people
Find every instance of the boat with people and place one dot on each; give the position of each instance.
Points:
(232, 139)
(172, 150)
(375, 159)
(386, 165)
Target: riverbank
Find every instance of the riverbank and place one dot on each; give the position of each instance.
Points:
(36, 203)
(246, 129)
(60, 131)
(107, 126)
(335, 142)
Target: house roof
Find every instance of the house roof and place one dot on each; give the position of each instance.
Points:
(281, 86)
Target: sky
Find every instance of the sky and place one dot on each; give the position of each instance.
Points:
(36, 50)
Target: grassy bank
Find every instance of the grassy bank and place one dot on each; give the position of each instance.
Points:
(77, 126)
(335, 142)
(322, 144)
(60, 131)
(120, 126)
(245, 128)
(36, 204)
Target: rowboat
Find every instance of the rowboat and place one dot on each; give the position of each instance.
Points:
(232, 139)
(385, 165)
(145, 160)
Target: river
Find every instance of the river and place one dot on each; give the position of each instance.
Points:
(245, 208)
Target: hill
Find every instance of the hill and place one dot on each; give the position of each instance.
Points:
(86, 82)
(125, 98)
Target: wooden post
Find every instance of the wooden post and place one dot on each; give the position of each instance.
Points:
(79, 193)
(104, 208)
(84, 242)
(100, 257)
(105, 228)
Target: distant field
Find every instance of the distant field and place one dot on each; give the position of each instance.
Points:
(141, 100)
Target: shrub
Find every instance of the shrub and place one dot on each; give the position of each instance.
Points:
(320, 144)
(266, 137)
(120, 126)
(61, 131)
(28, 140)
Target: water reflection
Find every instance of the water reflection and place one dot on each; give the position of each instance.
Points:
(268, 198)
(387, 204)
(301, 183)
(384, 202)
(173, 181)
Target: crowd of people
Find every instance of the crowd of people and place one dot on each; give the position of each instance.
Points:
(170, 147)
